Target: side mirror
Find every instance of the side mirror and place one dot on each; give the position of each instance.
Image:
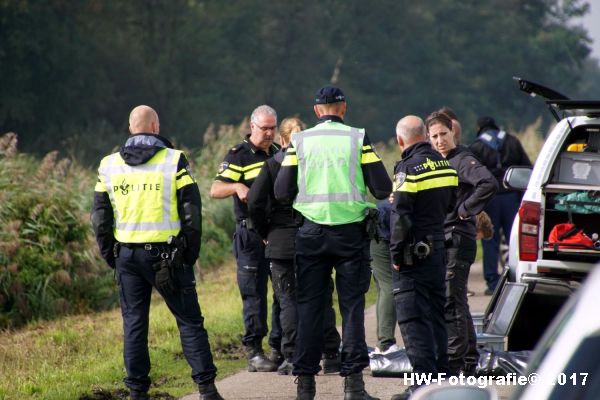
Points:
(447, 392)
(517, 178)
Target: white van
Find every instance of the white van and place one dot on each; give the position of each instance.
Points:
(561, 204)
(563, 188)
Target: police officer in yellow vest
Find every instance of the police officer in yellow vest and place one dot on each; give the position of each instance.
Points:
(326, 171)
(147, 221)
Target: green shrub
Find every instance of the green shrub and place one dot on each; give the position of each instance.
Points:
(48, 262)
(217, 214)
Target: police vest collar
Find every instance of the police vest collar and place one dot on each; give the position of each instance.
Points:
(331, 118)
(415, 148)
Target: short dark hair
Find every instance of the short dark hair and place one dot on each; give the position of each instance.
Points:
(437, 117)
(486, 123)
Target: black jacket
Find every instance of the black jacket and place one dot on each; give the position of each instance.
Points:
(424, 193)
(273, 220)
(242, 164)
(138, 149)
(497, 162)
(476, 187)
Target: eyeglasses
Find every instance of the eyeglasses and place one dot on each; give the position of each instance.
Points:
(266, 128)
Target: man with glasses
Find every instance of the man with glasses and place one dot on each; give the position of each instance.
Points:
(236, 174)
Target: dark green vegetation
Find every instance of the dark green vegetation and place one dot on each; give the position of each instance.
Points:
(49, 263)
(72, 70)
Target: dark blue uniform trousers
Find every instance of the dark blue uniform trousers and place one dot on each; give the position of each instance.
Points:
(253, 277)
(420, 296)
(462, 340)
(502, 209)
(136, 278)
(318, 249)
(283, 274)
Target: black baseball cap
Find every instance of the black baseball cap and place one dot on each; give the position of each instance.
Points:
(329, 94)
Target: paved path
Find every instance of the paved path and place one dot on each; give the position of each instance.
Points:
(268, 385)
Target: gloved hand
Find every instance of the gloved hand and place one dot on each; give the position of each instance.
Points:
(164, 279)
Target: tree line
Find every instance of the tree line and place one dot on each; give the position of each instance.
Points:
(70, 71)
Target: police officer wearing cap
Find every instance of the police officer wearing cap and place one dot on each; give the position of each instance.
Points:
(238, 171)
(146, 202)
(424, 190)
(277, 223)
(326, 172)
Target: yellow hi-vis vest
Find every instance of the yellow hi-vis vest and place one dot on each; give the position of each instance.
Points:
(331, 186)
(142, 196)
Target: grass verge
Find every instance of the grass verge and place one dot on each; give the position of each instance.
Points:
(80, 357)
(77, 355)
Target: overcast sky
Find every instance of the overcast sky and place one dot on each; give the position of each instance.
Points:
(592, 23)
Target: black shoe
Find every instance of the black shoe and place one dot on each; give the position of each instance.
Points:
(138, 395)
(306, 389)
(332, 363)
(404, 395)
(276, 357)
(488, 292)
(469, 370)
(354, 388)
(285, 368)
(257, 362)
(208, 391)
(260, 363)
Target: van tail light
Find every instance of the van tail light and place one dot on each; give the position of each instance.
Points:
(529, 228)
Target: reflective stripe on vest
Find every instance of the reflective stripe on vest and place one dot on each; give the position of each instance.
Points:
(139, 231)
(355, 195)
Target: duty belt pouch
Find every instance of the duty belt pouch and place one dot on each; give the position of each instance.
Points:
(407, 254)
(448, 240)
(165, 278)
(372, 221)
(116, 249)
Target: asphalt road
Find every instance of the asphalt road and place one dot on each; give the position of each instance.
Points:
(267, 385)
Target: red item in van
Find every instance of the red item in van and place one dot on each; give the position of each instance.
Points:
(567, 233)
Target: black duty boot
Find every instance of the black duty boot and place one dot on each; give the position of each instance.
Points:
(306, 387)
(354, 388)
(208, 391)
(257, 362)
(404, 395)
(276, 357)
(332, 363)
(138, 395)
(286, 367)
(469, 370)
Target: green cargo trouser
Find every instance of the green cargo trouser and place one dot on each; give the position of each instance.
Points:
(386, 308)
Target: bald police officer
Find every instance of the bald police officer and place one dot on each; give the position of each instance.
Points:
(424, 190)
(145, 197)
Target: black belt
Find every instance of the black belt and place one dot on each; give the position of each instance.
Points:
(145, 246)
(155, 249)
